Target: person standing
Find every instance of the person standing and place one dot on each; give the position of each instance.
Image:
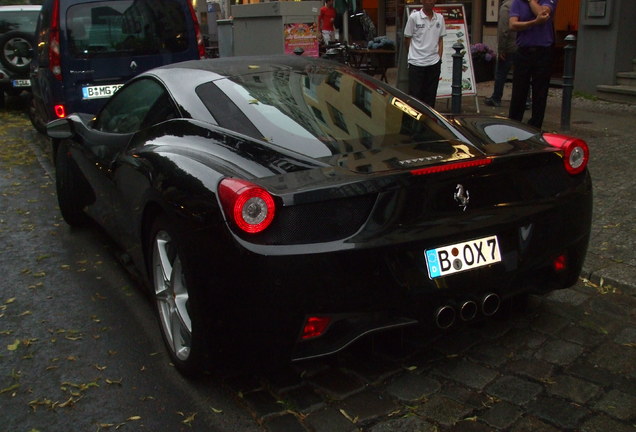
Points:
(326, 19)
(423, 35)
(533, 21)
(506, 48)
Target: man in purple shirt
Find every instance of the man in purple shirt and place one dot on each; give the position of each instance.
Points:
(534, 23)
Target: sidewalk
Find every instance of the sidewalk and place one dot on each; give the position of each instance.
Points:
(609, 129)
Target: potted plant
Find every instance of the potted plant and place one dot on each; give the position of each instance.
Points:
(484, 60)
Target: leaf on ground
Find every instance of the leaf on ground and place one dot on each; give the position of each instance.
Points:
(14, 346)
(353, 420)
(10, 389)
(189, 419)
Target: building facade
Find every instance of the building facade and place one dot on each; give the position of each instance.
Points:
(604, 30)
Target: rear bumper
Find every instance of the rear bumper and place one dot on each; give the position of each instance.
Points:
(265, 299)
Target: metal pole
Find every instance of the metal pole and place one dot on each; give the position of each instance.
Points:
(456, 85)
(568, 82)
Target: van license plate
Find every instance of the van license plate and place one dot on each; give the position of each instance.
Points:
(21, 83)
(446, 260)
(96, 92)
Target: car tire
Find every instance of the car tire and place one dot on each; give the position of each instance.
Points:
(175, 297)
(16, 51)
(13, 92)
(38, 122)
(70, 188)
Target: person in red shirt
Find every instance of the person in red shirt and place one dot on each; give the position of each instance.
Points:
(326, 19)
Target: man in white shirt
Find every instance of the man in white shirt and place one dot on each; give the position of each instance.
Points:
(423, 35)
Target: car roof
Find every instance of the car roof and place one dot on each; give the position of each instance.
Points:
(240, 65)
(182, 77)
(18, 8)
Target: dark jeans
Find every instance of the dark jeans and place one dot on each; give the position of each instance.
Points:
(501, 74)
(533, 67)
(423, 81)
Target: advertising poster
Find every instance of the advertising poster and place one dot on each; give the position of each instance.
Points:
(301, 35)
(456, 31)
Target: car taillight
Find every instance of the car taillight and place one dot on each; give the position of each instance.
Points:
(60, 111)
(55, 63)
(560, 263)
(451, 166)
(576, 153)
(197, 32)
(315, 326)
(249, 206)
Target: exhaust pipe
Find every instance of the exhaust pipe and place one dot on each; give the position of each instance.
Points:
(444, 316)
(468, 310)
(490, 304)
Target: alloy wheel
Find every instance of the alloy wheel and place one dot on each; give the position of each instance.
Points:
(16, 51)
(171, 295)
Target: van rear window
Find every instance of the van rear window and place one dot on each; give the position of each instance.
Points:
(19, 20)
(138, 27)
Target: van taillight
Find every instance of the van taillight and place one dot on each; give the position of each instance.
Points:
(55, 64)
(197, 32)
(60, 111)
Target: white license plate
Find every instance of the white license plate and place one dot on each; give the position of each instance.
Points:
(96, 92)
(446, 260)
(21, 83)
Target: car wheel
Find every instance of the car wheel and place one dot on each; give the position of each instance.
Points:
(70, 188)
(16, 50)
(35, 116)
(175, 300)
(14, 92)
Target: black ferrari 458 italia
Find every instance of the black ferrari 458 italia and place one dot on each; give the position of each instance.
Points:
(296, 204)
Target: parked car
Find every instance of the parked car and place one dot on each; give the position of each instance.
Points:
(294, 205)
(17, 34)
(86, 50)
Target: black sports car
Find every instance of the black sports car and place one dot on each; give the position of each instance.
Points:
(295, 204)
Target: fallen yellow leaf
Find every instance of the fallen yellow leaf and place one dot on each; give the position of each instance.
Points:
(14, 346)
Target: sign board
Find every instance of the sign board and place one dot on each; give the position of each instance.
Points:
(456, 31)
(301, 35)
(597, 12)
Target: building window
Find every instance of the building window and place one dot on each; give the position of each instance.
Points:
(334, 80)
(338, 118)
(363, 98)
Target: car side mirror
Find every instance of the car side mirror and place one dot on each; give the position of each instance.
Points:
(60, 129)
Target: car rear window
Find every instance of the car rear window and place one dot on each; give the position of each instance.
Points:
(113, 28)
(24, 21)
(317, 113)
